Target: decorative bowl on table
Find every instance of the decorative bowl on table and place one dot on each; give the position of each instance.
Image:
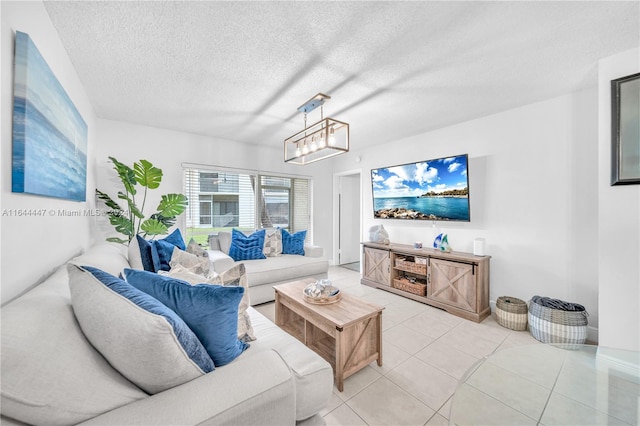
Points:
(321, 292)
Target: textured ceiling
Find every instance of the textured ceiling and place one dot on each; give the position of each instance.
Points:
(239, 70)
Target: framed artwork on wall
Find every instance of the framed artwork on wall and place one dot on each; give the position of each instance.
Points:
(625, 130)
(49, 135)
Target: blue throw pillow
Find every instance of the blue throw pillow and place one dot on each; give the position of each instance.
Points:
(211, 311)
(148, 254)
(142, 338)
(247, 248)
(164, 247)
(293, 243)
(156, 254)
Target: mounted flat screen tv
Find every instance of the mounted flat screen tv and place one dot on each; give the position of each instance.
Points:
(435, 189)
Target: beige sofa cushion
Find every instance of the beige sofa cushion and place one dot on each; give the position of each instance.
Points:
(285, 267)
(50, 372)
(312, 374)
(224, 239)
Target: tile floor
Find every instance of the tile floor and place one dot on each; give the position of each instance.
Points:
(426, 351)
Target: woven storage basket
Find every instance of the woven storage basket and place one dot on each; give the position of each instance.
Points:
(556, 321)
(410, 266)
(511, 313)
(404, 284)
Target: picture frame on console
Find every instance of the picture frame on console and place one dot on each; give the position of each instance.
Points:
(625, 130)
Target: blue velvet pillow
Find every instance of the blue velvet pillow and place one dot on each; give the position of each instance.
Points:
(247, 248)
(142, 338)
(176, 239)
(156, 254)
(164, 247)
(148, 254)
(211, 311)
(293, 243)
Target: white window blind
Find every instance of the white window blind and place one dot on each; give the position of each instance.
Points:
(223, 199)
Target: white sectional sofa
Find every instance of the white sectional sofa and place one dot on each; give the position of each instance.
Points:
(263, 274)
(51, 374)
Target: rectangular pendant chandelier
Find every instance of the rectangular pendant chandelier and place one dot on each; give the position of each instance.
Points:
(323, 139)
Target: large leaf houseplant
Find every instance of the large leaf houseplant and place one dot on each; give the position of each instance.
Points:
(130, 220)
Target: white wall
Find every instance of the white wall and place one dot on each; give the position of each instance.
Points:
(33, 246)
(533, 188)
(539, 182)
(169, 149)
(619, 225)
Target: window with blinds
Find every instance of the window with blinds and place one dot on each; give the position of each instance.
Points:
(224, 199)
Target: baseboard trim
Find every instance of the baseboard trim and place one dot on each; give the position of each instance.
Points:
(624, 363)
(592, 335)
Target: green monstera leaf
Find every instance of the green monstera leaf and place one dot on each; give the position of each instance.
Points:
(132, 205)
(171, 205)
(126, 174)
(123, 225)
(147, 175)
(108, 201)
(118, 240)
(153, 227)
(168, 221)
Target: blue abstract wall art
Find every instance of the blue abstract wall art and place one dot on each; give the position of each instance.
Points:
(49, 135)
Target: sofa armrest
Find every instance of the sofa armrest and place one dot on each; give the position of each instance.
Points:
(258, 389)
(220, 261)
(214, 242)
(313, 251)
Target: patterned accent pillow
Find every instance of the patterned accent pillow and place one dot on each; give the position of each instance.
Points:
(190, 262)
(143, 339)
(237, 276)
(272, 243)
(194, 248)
(231, 277)
(293, 243)
(247, 247)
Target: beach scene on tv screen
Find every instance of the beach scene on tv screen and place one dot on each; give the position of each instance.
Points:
(428, 190)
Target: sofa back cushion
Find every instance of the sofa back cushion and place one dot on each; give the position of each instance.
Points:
(109, 257)
(143, 339)
(224, 240)
(134, 255)
(51, 374)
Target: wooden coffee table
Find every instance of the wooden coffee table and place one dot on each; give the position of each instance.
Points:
(348, 333)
